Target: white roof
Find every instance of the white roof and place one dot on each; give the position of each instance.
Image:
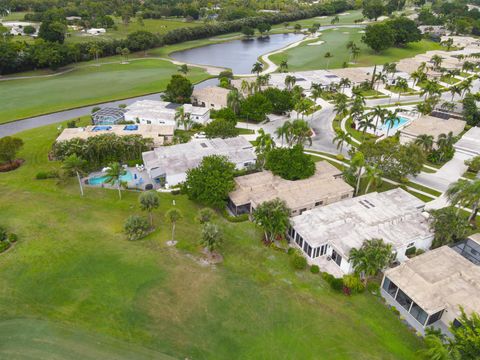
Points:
(470, 141)
(177, 159)
(394, 216)
(195, 110)
(151, 110)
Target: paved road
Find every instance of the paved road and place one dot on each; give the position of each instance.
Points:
(37, 121)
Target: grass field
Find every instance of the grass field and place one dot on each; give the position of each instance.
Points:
(311, 57)
(86, 85)
(74, 282)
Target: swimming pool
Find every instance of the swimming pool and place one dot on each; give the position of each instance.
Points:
(98, 180)
(102, 128)
(393, 125)
(130, 127)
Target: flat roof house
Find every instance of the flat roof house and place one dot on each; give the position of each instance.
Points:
(469, 143)
(168, 165)
(327, 234)
(429, 289)
(324, 187)
(431, 125)
(212, 97)
(160, 134)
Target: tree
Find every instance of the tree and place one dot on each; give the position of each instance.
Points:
(183, 69)
(356, 164)
(211, 181)
(248, 31)
(183, 118)
(379, 113)
(221, 128)
(257, 68)
(283, 67)
(264, 28)
(149, 201)
(53, 27)
(255, 107)
(300, 133)
(290, 164)
(9, 147)
(264, 144)
(373, 256)
(466, 193)
(335, 20)
(471, 112)
(341, 105)
(374, 177)
(404, 30)
(273, 217)
(378, 37)
(425, 142)
(173, 216)
(205, 215)
(341, 138)
(211, 237)
(344, 83)
(373, 9)
(364, 124)
(179, 89)
(142, 41)
(281, 101)
(136, 227)
(436, 60)
(304, 106)
(114, 175)
(234, 100)
(402, 86)
(290, 81)
(74, 164)
(448, 226)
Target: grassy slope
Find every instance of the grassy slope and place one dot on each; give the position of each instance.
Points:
(74, 268)
(305, 57)
(86, 85)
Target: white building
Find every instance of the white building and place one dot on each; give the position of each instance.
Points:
(327, 234)
(163, 113)
(96, 31)
(469, 143)
(429, 289)
(212, 97)
(168, 165)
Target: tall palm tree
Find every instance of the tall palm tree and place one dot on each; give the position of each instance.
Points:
(301, 133)
(380, 78)
(173, 216)
(290, 81)
(391, 119)
(283, 65)
(233, 100)
(402, 86)
(114, 174)
(358, 162)
(425, 142)
(75, 165)
(374, 177)
(257, 68)
(436, 60)
(465, 193)
(183, 118)
(341, 104)
(316, 93)
(418, 77)
(304, 107)
(455, 90)
(264, 144)
(343, 83)
(431, 88)
(341, 139)
(364, 124)
(379, 114)
(465, 86)
(284, 132)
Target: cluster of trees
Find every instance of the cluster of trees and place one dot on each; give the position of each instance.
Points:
(373, 9)
(396, 32)
(103, 149)
(179, 90)
(49, 50)
(439, 151)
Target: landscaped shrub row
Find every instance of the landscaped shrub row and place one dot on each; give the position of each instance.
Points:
(6, 239)
(235, 219)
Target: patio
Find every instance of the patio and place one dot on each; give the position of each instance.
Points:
(135, 178)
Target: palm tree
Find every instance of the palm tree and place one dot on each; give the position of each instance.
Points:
(391, 119)
(341, 139)
(95, 50)
(432, 87)
(114, 174)
(343, 83)
(300, 133)
(418, 77)
(374, 177)
(358, 162)
(341, 104)
(173, 215)
(316, 93)
(436, 60)
(262, 80)
(182, 118)
(335, 20)
(379, 114)
(354, 49)
(284, 132)
(425, 142)
(455, 90)
(290, 81)
(149, 201)
(211, 237)
(402, 86)
(467, 194)
(264, 144)
(364, 124)
(465, 86)
(257, 68)
(327, 56)
(372, 257)
(75, 165)
(380, 78)
(183, 69)
(283, 65)
(304, 106)
(233, 100)
(390, 68)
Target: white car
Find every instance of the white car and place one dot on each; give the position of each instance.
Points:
(200, 135)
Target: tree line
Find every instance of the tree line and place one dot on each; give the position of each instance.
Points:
(50, 50)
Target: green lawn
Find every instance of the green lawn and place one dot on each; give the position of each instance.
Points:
(86, 85)
(311, 57)
(15, 16)
(74, 282)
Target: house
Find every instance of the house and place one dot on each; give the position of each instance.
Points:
(160, 134)
(324, 187)
(96, 31)
(431, 125)
(469, 143)
(163, 113)
(327, 234)
(168, 165)
(108, 116)
(212, 97)
(429, 289)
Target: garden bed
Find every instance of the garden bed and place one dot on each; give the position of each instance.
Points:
(11, 166)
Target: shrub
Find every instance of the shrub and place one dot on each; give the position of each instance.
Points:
(353, 282)
(335, 283)
(299, 262)
(420, 252)
(95, 109)
(71, 124)
(12, 238)
(291, 251)
(373, 287)
(4, 245)
(314, 269)
(136, 227)
(205, 215)
(234, 219)
(340, 157)
(411, 251)
(42, 175)
(395, 311)
(473, 164)
(122, 106)
(3, 233)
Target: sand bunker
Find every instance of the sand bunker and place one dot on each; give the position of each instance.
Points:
(320, 42)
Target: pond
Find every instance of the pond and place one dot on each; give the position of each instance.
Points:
(238, 55)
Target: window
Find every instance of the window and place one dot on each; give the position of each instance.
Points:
(435, 317)
(390, 287)
(337, 258)
(149, 122)
(316, 251)
(299, 240)
(307, 249)
(318, 203)
(418, 313)
(411, 245)
(403, 300)
(323, 250)
(302, 210)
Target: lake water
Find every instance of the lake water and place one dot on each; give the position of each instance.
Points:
(238, 55)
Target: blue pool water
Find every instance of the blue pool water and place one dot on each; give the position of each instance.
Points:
(396, 124)
(102, 179)
(131, 127)
(102, 128)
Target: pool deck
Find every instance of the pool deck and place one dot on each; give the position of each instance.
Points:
(138, 182)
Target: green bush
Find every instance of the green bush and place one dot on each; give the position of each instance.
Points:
(291, 251)
(420, 252)
(235, 219)
(4, 245)
(353, 283)
(373, 287)
(335, 284)
(136, 227)
(340, 157)
(411, 251)
(3, 233)
(299, 262)
(395, 311)
(95, 109)
(205, 215)
(12, 238)
(43, 175)
(132, 163)
(314, 269)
